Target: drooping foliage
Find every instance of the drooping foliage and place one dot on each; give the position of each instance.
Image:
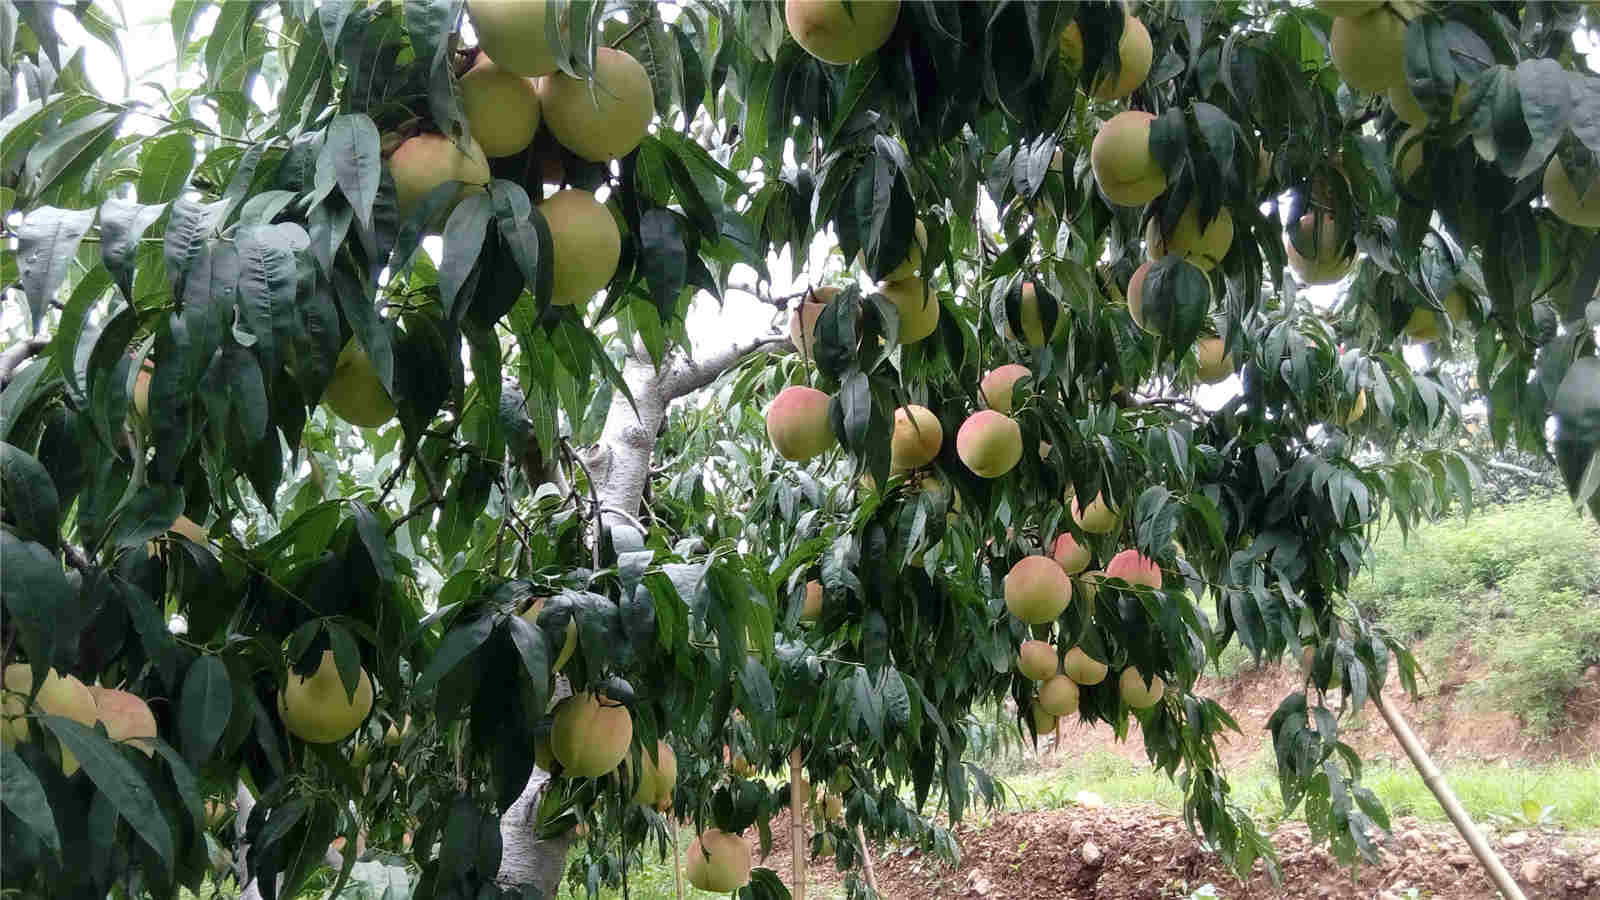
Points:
(248, 421)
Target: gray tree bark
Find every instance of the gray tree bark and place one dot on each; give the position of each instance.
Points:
(620, 467)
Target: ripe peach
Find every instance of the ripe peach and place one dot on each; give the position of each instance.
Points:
(1136, 693)
(919, 313)
(798, 423)
(1082, 668)
(1135, 568)
(1059, 696)
(989, 443)
(585, 243)
(719, 862)
(839, 34)
(917, 438)
(1123, 165)
(1036, 660)
(1037, 590)
(1098, 517)
(591, 735)
(1071, 555)
(996, 387)
(601, 119)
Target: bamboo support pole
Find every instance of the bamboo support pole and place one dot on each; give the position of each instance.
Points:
(866, 859)
(797, 828)
(677, 858)
(1447, 799)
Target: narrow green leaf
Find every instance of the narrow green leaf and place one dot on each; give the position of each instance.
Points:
(164, 166)
(350, 159)
(30, 495)
(456, 646)
(147, 514)
(47, 242)
(21, 792)
(374, 539)
(204, 707)
(346, 658)
(122, 227)
(118, 780)
(463, 242)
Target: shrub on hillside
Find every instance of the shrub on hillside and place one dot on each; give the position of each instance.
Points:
(1518, 584)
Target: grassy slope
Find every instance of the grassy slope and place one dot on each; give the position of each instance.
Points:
(1517, 586)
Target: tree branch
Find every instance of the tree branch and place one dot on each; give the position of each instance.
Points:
(689, 375)
(17, 355)
(1519, 471)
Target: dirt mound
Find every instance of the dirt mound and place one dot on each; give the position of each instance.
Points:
(1452, 724)
(1134, 853)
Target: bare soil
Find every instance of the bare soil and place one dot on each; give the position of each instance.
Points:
(1138, 853)
(1144, 853)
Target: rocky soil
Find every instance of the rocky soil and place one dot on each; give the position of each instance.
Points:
(1135, 853)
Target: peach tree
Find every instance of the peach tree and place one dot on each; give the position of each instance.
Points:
(351, 521)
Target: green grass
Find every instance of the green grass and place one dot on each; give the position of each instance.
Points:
(1488, 791)
(1517, 587)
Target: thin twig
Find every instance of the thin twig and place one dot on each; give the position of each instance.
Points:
(394, 477)
(622, 38)
(780, 302)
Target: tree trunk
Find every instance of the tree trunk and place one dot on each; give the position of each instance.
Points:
(524, 859)
(620, 468)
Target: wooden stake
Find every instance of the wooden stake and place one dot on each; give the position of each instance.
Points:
(797, 828)
(1447, 799)
(677, 861)
(866, 858)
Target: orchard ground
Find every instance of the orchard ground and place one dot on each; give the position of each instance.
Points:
(1538, 801)
(1481, 595)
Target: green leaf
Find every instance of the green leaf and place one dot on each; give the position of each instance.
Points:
(72, 146)
(184, 240)
(854, 410)
(1546, 106)
(204, 706)
(760, 701)
(456, 646)
(375, 335)
(533, 648)
(463, 242)
(1176, 297)
(34, 588)
(47, 242)
(164, 167)
(346, 658)
(526, 235)
(1155, 518)
(118, 780)
(30, 495)
(147, 514)
(664, 258)
(350, 159)
(866, 704)
(122, 227)
(374, 539)
(21, 792)
(1511, 261)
